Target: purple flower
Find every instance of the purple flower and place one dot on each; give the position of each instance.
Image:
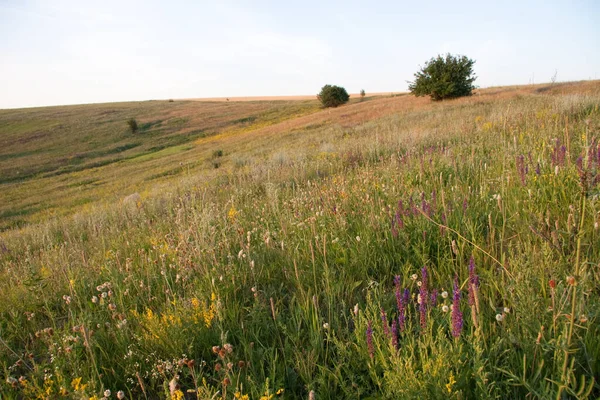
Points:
(457, 317)
(395, 334)
(559, 154)
(434, 296)
(394, 229)
(402, 301)
(384, 322)
(424, 297)
(370, 340)
(399, 221)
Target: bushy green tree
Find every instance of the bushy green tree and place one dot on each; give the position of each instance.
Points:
(133, 125)
(333, 96)
(445, 77)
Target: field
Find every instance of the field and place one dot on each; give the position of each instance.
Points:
(392, 248)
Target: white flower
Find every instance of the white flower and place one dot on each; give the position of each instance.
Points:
(104, 295)
(499, 317)
(356, 309)
(94, 299)
(445, 294)
(325, 326)
(506, 310)
(419, 298)
(358, 238)
(107, 393)
(445, 308)
(419, 283)
(413, 277)
(120, 395)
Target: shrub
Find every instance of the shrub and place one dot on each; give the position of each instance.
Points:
(362, 94)
(333, 96)
(217, 153)
(444, 78)
(133, 125)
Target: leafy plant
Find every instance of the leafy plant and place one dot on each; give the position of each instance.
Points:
(133, 125)
(333, 96)
(445, 77)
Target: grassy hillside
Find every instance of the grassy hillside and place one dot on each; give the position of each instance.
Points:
(54, 158)
(391, 248)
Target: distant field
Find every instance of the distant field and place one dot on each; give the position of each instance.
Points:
(56, 160)
(391, 248)
(280, 98)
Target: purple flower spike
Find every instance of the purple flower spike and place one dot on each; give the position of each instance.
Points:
(384, 323)
(457, 317)
(395, 334)
(402, 302)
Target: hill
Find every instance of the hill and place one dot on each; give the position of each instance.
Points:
(390, 248)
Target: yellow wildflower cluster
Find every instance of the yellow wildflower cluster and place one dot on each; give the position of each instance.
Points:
(77, 385)
(158, 326)
(451, 382)
(232, 213)
(203, 312)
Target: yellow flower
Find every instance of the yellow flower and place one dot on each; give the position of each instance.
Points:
(232, 213)
(76, 384)
(177, 395)
(450, 384)
(280, 392)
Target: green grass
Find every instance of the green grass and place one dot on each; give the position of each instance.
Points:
(279, 261)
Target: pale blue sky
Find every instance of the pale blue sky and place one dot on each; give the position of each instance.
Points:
(78, 51)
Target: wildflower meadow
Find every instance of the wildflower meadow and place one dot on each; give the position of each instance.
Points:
(446, 250)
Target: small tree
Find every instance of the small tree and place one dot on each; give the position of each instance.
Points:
(444, 78)
(133, 125)
(362, 93)
(333, 96)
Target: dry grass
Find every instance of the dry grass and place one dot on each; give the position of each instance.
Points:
(60, 160)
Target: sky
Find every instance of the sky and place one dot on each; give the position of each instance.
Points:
(58, 52)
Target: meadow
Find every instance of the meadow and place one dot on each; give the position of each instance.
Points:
(391, 248)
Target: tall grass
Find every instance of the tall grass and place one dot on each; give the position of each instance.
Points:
(288, 274)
